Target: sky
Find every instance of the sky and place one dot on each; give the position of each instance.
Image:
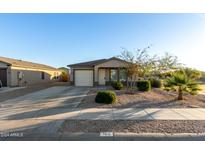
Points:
(61, 39)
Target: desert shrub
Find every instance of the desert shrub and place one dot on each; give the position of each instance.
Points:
(107, 97)
(144, 85)
(64, 77)
(117, 85)
(156, 83)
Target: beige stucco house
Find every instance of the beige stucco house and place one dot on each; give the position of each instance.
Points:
(98, 72)
(22, 73)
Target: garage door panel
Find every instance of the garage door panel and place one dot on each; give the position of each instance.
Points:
(84, 77)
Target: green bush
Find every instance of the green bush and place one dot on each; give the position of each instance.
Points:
(107, 97)
(117, 85)
(156, 83)
(143, 85)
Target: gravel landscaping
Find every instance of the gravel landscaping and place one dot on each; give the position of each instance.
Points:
(156, 98)
(133, 126)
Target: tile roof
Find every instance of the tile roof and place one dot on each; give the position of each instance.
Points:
(88, 64)
(94, 62)
(26, 64)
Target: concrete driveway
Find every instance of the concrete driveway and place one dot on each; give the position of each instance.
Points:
(40, 112)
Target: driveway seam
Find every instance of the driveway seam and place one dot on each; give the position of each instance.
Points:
(185, 118)
(78, 115)
(113, 115)
(148, 114)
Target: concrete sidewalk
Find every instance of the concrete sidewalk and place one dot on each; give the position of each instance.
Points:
(55, 116)
(137, 114)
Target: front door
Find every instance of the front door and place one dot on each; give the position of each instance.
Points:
(101, 76)
(3, 77)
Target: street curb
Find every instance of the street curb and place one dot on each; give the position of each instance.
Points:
(121, 136)
(117, 136)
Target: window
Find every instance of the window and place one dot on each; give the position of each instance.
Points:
(42, 75)
(122, 75)
(113, 74)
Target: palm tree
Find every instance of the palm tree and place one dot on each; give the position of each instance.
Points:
(181, 83)
(193, 73)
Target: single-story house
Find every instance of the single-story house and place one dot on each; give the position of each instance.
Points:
(98, 72)
(15, 72)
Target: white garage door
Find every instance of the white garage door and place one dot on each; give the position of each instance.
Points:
(83, 78)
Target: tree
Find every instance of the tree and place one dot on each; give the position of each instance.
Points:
(181, 83)
(132, 68)
(155, 65)
(166, 65)
(146, 62)
(140, 64)
(168, 62)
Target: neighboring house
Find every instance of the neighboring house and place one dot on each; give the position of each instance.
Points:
(98, 72)
(21, 73)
